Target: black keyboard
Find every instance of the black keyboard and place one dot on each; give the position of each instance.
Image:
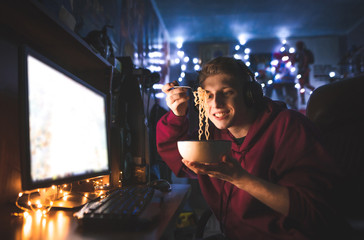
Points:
(119, 209)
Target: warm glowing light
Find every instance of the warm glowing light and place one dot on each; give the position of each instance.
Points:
(20, 194)
(51, 229)
(86, 195)
(27, 227)
(38, 216)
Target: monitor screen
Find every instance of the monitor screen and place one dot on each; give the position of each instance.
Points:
(65, 130)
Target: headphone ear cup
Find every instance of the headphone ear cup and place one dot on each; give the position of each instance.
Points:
(248, 96)
(253, 93)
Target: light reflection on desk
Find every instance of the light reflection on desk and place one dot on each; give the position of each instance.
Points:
(60, 223)
(39, 226)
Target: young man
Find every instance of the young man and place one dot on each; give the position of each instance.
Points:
(277, 181)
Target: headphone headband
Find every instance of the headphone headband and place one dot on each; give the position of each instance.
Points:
(246, 69)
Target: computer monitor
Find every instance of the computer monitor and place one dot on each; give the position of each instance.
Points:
(64, 125)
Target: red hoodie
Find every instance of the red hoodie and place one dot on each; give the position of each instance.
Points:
(282, 147)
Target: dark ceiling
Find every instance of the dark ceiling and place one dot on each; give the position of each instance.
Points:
(224, 20)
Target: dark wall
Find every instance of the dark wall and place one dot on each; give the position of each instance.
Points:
(10, 181)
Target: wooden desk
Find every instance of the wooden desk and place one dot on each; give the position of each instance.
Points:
(60, 224)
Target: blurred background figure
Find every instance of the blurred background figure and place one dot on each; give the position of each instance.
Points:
(286, 80)
(303, 57)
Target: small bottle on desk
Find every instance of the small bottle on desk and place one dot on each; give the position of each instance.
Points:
(140, 170)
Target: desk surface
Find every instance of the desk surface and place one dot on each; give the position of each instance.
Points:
(60, 224)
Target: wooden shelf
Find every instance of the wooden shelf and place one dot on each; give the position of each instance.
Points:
(29, 23)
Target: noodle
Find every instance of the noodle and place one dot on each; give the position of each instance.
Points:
(201, 100)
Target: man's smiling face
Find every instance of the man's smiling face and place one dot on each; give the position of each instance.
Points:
(226, 106)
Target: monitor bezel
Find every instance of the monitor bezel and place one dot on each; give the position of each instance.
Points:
(26, 180)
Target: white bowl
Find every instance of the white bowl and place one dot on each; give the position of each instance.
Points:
(209, 151)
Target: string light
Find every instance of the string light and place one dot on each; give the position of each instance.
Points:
(42, 200)
(237, 56)
(285, 58)
(41, 206)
